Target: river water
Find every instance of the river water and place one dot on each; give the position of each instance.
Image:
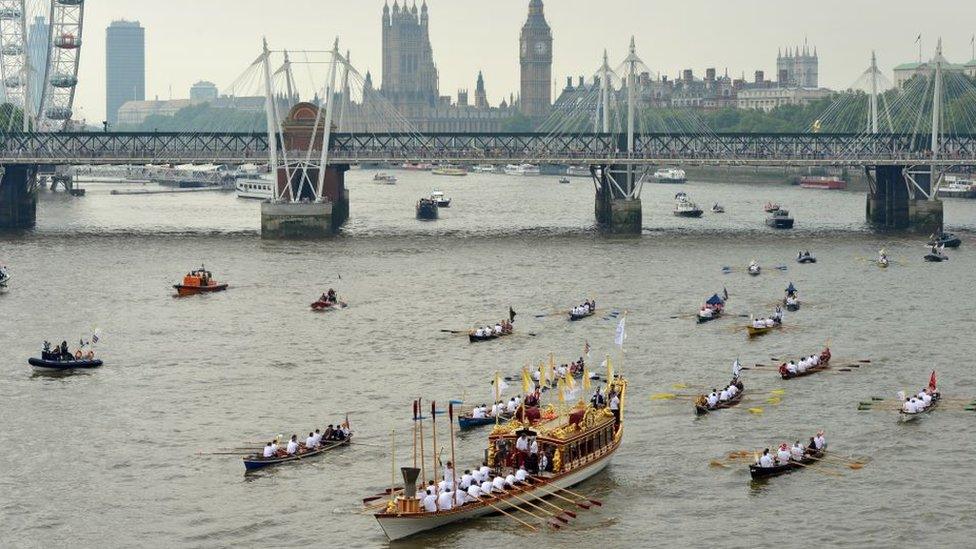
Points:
(111, 458)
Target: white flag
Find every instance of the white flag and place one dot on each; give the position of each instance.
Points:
(736, 368)
(621, 332)
(500, 386)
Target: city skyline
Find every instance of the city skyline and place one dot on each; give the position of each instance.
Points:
(463, 28)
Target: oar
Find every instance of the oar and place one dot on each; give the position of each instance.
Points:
(527, 512)
(204, 453)
(839, 461)
(574, 494)
(670, 396)
(819, 470)
(454, 331)
(554, 506)
(559, 517)
(541, 486)
(509, 515)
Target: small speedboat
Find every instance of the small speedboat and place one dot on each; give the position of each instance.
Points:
(718, 208)
(754, 269)
(198, 281)
(426, 209)
(440, 199)
(936, 256)
(385, 178)
(564, 181)
(4, 277)
(945, 240)
(683, 207)
(55, 362)
(805, 257)
(883, 262)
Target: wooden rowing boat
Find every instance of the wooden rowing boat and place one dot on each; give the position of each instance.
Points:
(754, 332)
(906, 417)
(258, 461)
(701, 410)
(476, 338)
(574, 317)
(823, 365)
(759, 473)
(465, 421)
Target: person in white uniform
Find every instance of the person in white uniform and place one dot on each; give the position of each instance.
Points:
(445, 501)
(430, 502)
(766, 460)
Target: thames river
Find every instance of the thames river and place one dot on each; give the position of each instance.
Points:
(113, 457)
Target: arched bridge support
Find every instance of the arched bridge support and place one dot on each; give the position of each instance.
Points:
(898, 199)
(618, 207)
(18, 196)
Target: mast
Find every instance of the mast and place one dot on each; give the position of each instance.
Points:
(423, 460)
(329, 111)
(272, 121)
(433, 450)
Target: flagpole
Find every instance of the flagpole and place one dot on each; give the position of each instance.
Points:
(450, 413)
(393, 463)
(423, 459)
(433, 449)
(415, 414)
(497, 396)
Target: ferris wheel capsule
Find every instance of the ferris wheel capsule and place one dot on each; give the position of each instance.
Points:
(67, 41)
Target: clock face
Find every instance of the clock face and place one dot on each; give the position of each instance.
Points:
(541, 47)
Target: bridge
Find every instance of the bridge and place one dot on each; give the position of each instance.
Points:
(736, 149)
(308, 152)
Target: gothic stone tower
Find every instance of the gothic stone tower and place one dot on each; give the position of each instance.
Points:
(536, 60)
(409, 74)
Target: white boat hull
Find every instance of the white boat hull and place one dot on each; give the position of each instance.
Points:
(399, 527)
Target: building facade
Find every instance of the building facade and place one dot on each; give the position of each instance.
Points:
(798, 68)
(767, 99)
(410, 80)
(203, 91)
(125, 66)
(535, 47)
(906, 71)
(38, 40)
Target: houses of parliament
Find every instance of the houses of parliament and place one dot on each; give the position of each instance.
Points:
(410, 81)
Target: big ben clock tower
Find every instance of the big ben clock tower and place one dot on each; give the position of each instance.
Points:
(536, 59)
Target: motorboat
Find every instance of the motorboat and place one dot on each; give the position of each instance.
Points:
(831, 183)
(484, 168)
(805, 257)
(426, 209)
(936, 255)
(957, 188)
(198, 281)
(578, 171)
(4, 277)
(780, 219)
(451, 171)
(254, 188)
(440, 199)
(670, 175)
(385, 178)
(718, 208)
(754, 269)
(564, 181)
(523, 170)
(945, 240)
(683, 207)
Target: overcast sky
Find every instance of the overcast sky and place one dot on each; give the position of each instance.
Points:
(190, 40)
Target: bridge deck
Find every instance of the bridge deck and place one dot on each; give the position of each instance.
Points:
(650, 149)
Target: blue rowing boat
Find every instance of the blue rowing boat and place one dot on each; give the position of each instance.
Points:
(258, 461)
(468, 422)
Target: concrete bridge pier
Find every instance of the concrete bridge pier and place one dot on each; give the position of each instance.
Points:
(892, 204)
(18, 196)
(304, 217)
(617, 208)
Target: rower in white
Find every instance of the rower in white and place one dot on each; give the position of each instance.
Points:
(292, 446)
(269, 450)
(766, 460)
(783, 454)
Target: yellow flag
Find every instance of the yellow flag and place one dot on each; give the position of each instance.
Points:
(570, 382)
(543, 378)
(586, 378)
(609, 370)
(526, 381)
(562, 391)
